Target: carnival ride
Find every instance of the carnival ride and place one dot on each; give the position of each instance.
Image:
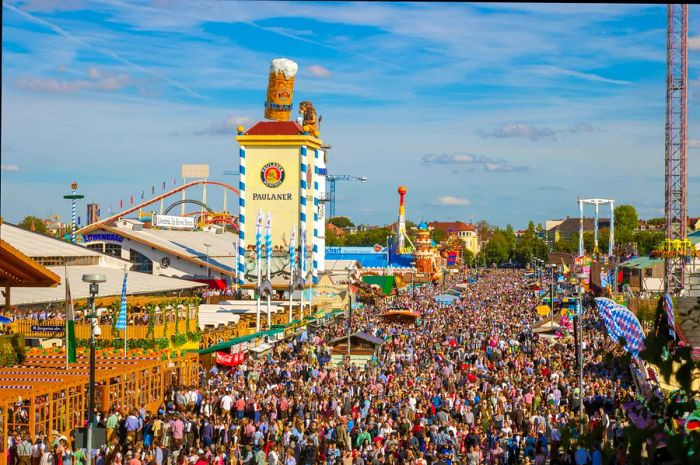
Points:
(210, 217)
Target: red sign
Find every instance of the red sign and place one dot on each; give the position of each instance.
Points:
(229, 360)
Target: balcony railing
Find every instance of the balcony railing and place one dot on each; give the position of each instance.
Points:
(56, 328)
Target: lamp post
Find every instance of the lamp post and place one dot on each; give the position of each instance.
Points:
(207, 246)
(93, 280)
(349, 330)
(551, 267)
(579, 279)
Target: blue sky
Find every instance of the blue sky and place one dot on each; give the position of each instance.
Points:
(503, 112)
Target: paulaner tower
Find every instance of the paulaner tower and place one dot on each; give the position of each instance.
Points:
(282, 171)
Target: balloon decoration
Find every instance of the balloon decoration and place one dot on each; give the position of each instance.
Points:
(543, 310)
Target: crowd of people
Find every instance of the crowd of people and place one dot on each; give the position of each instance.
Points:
(470, 383)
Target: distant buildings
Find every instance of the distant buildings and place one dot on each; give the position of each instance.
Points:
(93, 213)
(564, 230)
(464, 231)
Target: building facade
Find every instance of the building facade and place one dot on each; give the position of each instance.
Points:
(463, 231)
(283, 172)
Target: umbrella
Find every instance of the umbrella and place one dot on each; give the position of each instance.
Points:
(4, 320)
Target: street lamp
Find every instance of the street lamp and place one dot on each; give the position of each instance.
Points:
(579, 279)
(207, 246)
(551, 267)
(350, 269)
(93, 280)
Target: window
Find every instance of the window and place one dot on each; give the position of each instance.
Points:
(114, 250)
(142, 263)
(96, 247)
(648, 272)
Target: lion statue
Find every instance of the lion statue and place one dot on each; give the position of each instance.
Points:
(309, 123)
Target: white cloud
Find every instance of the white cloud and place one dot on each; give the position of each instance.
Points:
(694, 43)
(319, 71)
(520, 130)
(448, 159)
(451, 201)
(9, 168)
(557, 71)
(223, 128)
(694, 143)
(501, 166)
(98, 81)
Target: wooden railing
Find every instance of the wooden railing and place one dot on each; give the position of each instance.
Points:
(56, 328)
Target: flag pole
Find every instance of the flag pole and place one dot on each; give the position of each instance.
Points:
(65, 279)
(125, 326)
(268, 253)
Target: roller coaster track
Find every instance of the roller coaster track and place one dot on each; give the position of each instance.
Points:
(158, 198)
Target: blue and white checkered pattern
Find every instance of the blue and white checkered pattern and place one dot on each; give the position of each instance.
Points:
(668, 303)
(314, 249)
(629, 329)
(121, 321)
(605, 307)
(292, 249)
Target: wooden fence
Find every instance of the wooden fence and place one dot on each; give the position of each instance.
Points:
(56, 328)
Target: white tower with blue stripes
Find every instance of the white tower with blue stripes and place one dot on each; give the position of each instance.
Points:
(282, 171)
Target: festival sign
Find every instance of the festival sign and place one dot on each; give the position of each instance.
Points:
(48, 328)
(167, 221)
(229, 360)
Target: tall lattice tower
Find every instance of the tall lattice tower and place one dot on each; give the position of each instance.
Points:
(676, 142)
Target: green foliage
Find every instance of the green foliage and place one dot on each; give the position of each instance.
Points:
(194, 336)
(529, 246)
(341, 222)
(151, 322)
(647, 241)
(467, 257)
(499, 248)
(626, 221)
(162, 343)
(37, 222)
(178, 339)
(438, 235)
(8, 355)
(368, 238)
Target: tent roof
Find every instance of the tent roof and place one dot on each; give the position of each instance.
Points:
(17, 269)
(227, 345)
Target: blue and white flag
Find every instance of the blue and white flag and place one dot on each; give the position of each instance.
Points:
(292, 249)
(268, 239)
(605, 307)
(668, 304)
(258, 235)
(629, 329)
(302, 253)
(121, 321)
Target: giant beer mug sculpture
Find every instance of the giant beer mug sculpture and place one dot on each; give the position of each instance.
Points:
(280, 88)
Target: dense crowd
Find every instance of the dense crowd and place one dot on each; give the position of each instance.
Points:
(470, 383)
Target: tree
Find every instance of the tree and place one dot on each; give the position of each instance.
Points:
(647, 241)
(438, 235)
(341, 222)
(626, 222)
(33, 223)
(530, 245)
(498, 248)
(467, 257)
(483, 230)
(334, 241)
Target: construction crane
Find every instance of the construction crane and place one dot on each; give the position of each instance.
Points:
(332, 178)
(676, 244)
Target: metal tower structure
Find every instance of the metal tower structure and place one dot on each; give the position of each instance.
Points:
(332, 178)
(676, 174)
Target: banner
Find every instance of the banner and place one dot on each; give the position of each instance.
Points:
(229, 360)
(668, 304)
(173, 221)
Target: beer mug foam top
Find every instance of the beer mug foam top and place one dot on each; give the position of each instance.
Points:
(285, 66)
